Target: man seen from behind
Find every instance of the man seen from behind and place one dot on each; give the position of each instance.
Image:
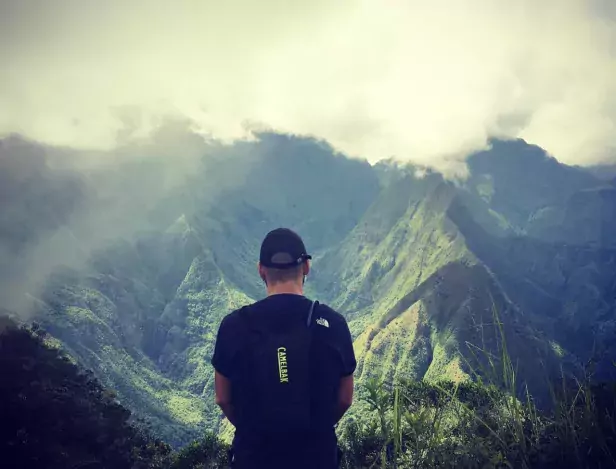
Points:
(284, 367)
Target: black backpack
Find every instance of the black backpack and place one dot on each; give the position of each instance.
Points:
(274, 385)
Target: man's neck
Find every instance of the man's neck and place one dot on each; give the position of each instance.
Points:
(286, 287)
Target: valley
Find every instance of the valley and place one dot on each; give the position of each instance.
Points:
(132, 266)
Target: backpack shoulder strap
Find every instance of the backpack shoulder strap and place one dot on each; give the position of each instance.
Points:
(245, 315)
(312, 308)
(249, 321)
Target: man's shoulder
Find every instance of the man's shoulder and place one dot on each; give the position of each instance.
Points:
(334, 318)
(235, 317)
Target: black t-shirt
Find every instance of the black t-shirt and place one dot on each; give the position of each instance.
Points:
(331, 356)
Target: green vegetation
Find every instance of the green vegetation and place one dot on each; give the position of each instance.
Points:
(87, 322)
(54, 415)
(483, 423)
(206, 453)
(469, 425)
(417, 263)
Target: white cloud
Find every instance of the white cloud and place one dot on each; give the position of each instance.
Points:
(425, 81)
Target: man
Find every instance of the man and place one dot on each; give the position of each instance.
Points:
(284, 367)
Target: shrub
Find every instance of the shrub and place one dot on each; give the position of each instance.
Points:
(207, 453)
(55, 416)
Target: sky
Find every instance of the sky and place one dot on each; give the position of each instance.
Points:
(414, 80)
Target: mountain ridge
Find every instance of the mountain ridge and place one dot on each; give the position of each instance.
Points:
(420, 266)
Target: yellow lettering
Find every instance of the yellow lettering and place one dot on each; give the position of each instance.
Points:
(282, 365)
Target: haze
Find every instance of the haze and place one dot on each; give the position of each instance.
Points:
(420, 81)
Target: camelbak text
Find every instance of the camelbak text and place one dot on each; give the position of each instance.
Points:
(282, 365)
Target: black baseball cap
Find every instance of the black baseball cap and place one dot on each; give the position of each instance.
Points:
(282, 248)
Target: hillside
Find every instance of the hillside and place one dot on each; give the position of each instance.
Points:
(55, 415)
(136, 262)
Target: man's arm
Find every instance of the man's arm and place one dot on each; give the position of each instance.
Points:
(347, 354)
(222, 389)
(223, 364)
(345, 396)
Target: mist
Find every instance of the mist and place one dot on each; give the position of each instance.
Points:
(426, 82)
(97, 85)
(62, 207)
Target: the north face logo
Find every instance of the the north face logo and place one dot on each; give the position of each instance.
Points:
(322, 322)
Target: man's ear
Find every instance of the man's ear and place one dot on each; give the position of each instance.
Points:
(261, 271)
(306, 268)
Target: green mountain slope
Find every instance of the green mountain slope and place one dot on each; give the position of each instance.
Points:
(142, 310)
(54, 415)
(107, 319)
(417, 263)
(420, 301)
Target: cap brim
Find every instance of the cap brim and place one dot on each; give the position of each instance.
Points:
(287, 265)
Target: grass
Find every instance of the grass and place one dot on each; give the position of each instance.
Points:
(485, 423)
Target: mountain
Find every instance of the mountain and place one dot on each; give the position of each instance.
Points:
(54, 415)
(137, 260)
(606, 172)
